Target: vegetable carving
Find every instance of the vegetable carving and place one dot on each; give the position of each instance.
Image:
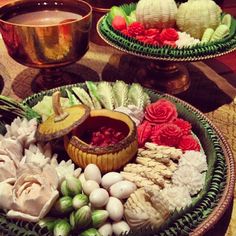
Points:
(62, 121)
(156, 13)
(195, 16)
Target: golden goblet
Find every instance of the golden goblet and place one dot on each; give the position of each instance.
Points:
(47, 34)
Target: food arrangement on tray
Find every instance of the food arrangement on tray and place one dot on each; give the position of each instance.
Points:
(167, 30)
(142, 162)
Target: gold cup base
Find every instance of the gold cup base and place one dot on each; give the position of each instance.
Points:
(52, 78)
(168, 77)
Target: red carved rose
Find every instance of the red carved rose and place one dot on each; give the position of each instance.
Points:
(152, 33)
(184, 125)
(160, 112)
(169, 34)
(136, 28)
(144, 133)
(188, 142)
(167, 134)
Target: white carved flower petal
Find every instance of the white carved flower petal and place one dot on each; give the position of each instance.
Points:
(135, 113)
(54, 161)
(36, 158)
(28, 169)
(51, 175)
(34, 202)
(33, 195)
(77, 172)
(13, 148)
(2, 151)
(189, 177)
(49, 204)
(27, 139)
(5, 195)
(7, 168)
(1, 137)
(177, 197)
(43, 212)
(22, 130)
(65, 169)
(30, 139)
(12, 129)
(195, 159)
(20, 215)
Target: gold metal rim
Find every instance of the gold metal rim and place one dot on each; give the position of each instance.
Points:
(99, 9)
(187, 59)
(50, 25)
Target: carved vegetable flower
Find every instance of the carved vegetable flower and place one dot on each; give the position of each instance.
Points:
(160, 112)
(5, 195)
(34, 192)
(22, 130)
(170, 35)
(11, 148)
(144, 133)
(64, 169)
(188, 142)
(36, 156)
(10, 157)
(167, 134)
(7, 168)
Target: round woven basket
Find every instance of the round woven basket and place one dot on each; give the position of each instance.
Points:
(217, 194)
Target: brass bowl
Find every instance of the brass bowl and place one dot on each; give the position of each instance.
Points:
(109, 158)
(48, 44)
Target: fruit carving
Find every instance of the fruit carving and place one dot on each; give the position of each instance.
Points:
(162, 181)
(156, 13)
(163, 23)
(163, 127)
(119, 23)
(195, 16)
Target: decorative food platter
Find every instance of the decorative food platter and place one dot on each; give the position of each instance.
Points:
(168, 34)
(206, 206)
(132, 44)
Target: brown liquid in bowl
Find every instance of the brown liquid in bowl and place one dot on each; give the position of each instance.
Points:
(42, 12)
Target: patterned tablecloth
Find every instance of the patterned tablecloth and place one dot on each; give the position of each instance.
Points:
(210, 92)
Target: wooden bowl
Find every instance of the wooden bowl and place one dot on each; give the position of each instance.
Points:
(108, 158)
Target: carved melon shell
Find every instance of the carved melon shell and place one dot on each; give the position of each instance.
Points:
(108, 158)
(156, 13)
(195, 16)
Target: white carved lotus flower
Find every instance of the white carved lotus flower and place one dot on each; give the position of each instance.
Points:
(65, 168)
(10, 157)
(34, 192)
(5, 195)
(7, 168)
(35, 155)
(22, 130)
(11, 148)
